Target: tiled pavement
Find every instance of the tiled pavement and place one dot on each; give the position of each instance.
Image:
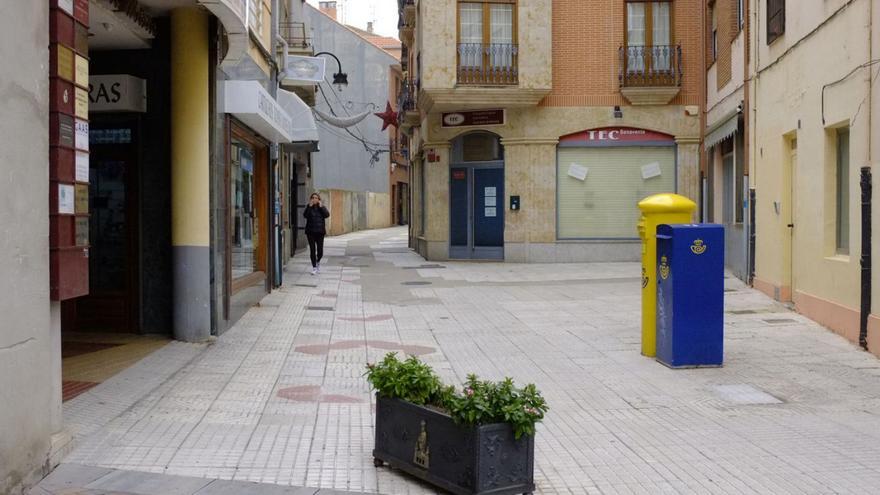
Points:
(280, 398)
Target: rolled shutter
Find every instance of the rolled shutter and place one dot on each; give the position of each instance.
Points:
(605, 204)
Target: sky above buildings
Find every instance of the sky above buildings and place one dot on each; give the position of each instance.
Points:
(383, 14)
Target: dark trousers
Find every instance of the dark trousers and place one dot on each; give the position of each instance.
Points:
(316, 247)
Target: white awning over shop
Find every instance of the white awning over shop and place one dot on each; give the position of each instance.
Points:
(725, 128)
(254, 106)
(303, 129)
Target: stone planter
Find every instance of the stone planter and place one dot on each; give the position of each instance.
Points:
(463, 460)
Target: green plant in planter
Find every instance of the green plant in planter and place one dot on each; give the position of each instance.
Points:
(410, 380)
(479, 402)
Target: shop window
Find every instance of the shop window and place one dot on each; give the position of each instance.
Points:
(842, 196)
(245, 228)
(775, 19)
(604, 204)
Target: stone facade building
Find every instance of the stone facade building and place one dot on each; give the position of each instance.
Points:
(539, 125)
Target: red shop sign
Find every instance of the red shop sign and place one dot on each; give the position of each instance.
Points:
(610, 136)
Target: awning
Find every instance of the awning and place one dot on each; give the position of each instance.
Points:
(303, 129)
(233, 17)
(254, 106)
(722, 130)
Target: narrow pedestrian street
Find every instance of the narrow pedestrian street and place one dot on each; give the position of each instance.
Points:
(280, 398)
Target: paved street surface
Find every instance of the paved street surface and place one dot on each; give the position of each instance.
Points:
(281, 399)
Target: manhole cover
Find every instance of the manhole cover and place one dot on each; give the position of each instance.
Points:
(745, 394)
(742, 311)
(320, 308)
(416, 282)
(779, 321)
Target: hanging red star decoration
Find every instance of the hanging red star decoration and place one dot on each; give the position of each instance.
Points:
(389, 116)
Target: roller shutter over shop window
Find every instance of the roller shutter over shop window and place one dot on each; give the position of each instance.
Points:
(604, 204)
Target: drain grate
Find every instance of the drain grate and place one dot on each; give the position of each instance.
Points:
(320, 308)
(422, 267)
(742, 311)
(305, 285)
(416, 282)
(744, 394)
(779, 321)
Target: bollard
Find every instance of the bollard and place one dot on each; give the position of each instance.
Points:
(656, 210)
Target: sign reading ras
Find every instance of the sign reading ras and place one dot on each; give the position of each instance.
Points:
(117, 93)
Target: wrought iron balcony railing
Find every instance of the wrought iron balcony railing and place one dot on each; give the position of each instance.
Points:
(294, 33)
(650, 66)
(406, 100)
(491, 64)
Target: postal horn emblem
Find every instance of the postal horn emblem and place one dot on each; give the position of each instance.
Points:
(698, 247)
(664, 268)
(421, 457)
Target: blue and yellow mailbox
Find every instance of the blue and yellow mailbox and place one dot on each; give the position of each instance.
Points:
(690, 295)
(656, 210)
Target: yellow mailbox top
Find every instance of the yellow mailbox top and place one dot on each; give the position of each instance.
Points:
(667, 203)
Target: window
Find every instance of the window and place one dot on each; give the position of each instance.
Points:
(775, 19)
(648, 36)
(487, 49)
(245, 231)
(714, 34)
(740, 14)
(842, 202)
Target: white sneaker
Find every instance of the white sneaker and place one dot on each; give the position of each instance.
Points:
(315, 270)
(318, 268)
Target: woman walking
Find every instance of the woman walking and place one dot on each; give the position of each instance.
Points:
(315, 213)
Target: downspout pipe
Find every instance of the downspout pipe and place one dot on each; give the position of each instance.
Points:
(865, 309)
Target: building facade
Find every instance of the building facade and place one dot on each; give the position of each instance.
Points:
(538, 126)
(813, 110)
(352, 170)
(726, 192)
(163, 144)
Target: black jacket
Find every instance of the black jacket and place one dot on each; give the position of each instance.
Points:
(315, 216)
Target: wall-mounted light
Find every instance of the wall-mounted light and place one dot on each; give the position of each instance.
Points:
(340, 79)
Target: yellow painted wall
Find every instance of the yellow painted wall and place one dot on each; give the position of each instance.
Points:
(787, 106)
(190, 219)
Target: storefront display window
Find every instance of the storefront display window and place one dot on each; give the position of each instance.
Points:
(245, 230)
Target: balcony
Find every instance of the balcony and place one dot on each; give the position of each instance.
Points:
(407, 114)
(487, 64)
(294, 33)
(650, 75)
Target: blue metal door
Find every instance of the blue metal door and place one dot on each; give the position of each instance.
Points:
(488, 208)
(459, 199)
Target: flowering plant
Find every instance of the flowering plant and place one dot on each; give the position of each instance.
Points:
(479, 402)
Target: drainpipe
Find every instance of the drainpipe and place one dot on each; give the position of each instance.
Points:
(866, 256)
(866, 188)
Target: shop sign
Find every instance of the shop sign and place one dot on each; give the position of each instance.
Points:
(66, 5)
(82, 72)
(117, 93)
(65, 199)
(304, 70)
(81, 39)
(253, 105)
(81, 195)
(82, 103)
(611, 136)
(474, 118)
(81, 11)
(81, 231)
(82, 166)
(65, 130)
(64, 62)
(81, 138)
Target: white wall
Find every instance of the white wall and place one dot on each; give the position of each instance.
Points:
(30, 397)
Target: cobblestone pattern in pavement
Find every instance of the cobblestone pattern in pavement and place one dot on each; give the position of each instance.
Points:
(280, 398)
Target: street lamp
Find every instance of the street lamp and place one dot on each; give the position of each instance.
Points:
(340, 78)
